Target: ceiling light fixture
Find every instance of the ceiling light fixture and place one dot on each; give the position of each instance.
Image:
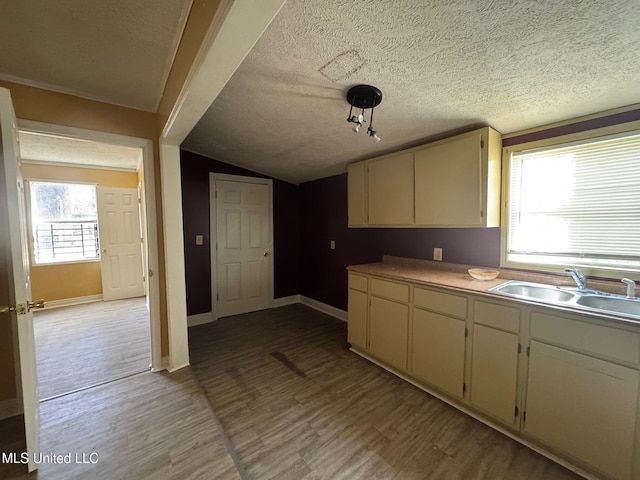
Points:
(363, 97)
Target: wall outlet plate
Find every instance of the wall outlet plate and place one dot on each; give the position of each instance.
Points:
(199, 239)
(332, 245)
(437, 254)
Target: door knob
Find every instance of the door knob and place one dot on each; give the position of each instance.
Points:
(37, 304)
(104, 250)
(265, 254)
(22, 308)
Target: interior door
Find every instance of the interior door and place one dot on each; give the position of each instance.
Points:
(16, 250)
(120, 243)
(243, 247)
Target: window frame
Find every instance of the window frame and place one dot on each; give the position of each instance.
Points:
(586, 135)
(30, 232)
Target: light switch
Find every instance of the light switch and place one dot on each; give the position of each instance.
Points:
(199, 239)
(332, 245)
(437, 254)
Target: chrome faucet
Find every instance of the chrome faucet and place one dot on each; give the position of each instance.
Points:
(631, 287)
(579, 277)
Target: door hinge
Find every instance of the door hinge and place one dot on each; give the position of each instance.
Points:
(515, 413)
(528, 351)
(215, 195)
(466, 332)
(524, 416)
(141, 240)
(464, 387)
(217, 296)
(139, 201)
(481, 142)
(519, 348)
(481, 213)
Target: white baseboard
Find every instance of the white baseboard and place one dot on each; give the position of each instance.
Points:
(199, 319)
(290, 300)
(324, 308)
(65, 302)
(9, 408)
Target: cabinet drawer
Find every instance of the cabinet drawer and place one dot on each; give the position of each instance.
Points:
(497, 316)
(446, 303)
(357, 282)
(586, 337)
(392, 290)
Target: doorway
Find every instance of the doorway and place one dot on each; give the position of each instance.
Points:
(241, 244)
(78, 330)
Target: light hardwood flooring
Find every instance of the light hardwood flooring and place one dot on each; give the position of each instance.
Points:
(83, 345)
(155, 426)
(297, 404)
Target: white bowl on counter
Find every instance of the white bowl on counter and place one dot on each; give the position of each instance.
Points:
(484, 273)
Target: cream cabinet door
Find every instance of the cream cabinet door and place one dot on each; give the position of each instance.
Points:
(583, 406)
(494, 372)
(357, 321)
(388, 331)
(437, 346)
(356, 195)
(390, 182)
(448, 183)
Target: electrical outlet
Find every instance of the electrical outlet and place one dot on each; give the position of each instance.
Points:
(199, 239)
(437, 254)
(332, 245)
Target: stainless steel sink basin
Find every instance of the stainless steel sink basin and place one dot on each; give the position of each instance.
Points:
(535, 291)
(614, 304)
(592, 300)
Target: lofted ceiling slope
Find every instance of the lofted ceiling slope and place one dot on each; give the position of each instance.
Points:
(442, 66)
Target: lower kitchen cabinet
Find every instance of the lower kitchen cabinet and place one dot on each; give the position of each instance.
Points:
(357, 321)
(565, 383)
(437, 346)
(583, 406)
(494, 372)
(388, 331)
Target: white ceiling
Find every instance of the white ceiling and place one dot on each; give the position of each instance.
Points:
(115, 51)
(53, 149)
(442, 65)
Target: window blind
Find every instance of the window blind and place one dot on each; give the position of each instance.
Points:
(577, 204)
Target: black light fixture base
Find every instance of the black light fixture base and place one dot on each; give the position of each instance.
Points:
(364, 96)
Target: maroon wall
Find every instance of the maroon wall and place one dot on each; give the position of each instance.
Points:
(195, 171)
(323, 205)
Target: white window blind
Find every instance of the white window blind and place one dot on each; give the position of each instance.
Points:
(577, 204)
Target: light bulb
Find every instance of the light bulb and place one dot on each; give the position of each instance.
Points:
(376, 138)
(360, 118)
(356, 128)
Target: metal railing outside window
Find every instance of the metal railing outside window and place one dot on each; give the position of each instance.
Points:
(66, 240)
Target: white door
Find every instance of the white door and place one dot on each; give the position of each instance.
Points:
(243, 223)
(120, 243)
(12, 191)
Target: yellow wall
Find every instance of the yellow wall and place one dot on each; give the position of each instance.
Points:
(72, 280)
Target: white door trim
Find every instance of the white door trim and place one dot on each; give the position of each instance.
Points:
(213, 235)
(150, 207)
(176, 293)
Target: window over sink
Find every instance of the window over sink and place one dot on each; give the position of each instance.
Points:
(574, 201)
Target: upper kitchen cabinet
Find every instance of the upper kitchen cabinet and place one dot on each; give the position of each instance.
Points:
(356, 190)
(457, 181)
(390, 182)
(454, 182)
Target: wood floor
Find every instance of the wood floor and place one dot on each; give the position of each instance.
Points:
(83, 345)
(150, 426)
(294, 404)
(297, 404)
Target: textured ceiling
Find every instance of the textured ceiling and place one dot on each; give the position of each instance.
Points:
(442, 65)
(116, 51)
(41, 148)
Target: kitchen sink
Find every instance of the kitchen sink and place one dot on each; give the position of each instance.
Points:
(614, 304)
(584, 299)
(534, 291)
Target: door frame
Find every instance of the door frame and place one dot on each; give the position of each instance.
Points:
(213, 234)
(149, 201)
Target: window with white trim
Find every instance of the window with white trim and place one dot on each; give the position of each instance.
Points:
(64, 222)
(575, 204)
